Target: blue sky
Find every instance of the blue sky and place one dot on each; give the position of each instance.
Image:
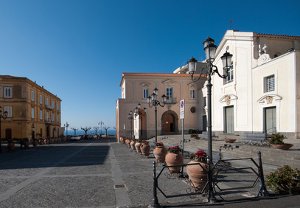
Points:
(78, 49)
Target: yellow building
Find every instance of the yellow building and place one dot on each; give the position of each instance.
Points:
(33, 112)
(135, 89)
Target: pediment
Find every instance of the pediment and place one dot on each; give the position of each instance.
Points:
(268, 99)
(228, 98)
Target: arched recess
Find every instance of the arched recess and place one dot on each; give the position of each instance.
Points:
(169, 123)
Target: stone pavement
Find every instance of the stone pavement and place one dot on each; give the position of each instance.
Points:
(272, 158)
(97, 174)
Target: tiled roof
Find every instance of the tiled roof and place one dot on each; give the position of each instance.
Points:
(277, 36)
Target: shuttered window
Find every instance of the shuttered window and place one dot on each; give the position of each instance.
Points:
(269, 83)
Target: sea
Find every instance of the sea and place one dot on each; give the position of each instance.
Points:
(80, 132)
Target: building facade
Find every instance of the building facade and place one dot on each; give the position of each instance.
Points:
(261, 94)
(33, 112)
(135, 89)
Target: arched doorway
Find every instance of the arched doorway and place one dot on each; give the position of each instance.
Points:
(169, 122)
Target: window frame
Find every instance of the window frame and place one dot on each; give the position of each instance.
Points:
(7, 92)
(269, 83)
(9, 110)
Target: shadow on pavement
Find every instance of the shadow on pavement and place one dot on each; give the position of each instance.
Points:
(77, 153)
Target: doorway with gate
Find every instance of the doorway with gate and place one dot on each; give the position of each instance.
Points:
(169, 123)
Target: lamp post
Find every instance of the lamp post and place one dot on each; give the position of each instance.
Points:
(153, 101)
(138, 111)
(130, 118)
(210, 52)
(66, 125)
(100, 124)
(3, 115)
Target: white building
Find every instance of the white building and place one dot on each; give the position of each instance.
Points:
(261, 94)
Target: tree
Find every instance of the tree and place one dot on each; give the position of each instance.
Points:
(96, 128)
(74, 129)
(85, 129)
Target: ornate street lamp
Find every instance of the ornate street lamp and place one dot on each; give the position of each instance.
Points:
(100, 124)
(66, 125)
(130, 118)
(3, 115)
(138, 111)
(153, 101)
(210, 52)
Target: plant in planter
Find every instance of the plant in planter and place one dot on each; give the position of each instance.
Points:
(173, 158)
(276, 141)
(197, 169)
(284, 180)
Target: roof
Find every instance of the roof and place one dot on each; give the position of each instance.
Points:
(29, 81)
(155, 75)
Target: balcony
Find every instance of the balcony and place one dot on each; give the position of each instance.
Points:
(171, 100)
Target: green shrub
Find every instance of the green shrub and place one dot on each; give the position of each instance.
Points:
(284, 180)
(277, 138)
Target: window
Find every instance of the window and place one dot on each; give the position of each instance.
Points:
(229, 77)
(269, 83)
(145, 93)
(57, 106)
(9, 111)
(47, 102)
(41, 99)
(204, 101)
(52, 104)
(7, 92)
(32, 112)
(32, 95)
(41, 114)
(169, 92)
(192, 94)
(47, 116)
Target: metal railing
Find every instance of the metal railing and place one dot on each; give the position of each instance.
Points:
(220, 169)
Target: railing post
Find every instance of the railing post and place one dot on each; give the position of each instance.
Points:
(155, 202)
(263, 190)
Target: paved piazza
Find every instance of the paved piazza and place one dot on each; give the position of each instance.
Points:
(85, 174)
(63, 175)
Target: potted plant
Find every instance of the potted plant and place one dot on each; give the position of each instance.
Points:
(284, 180)
(197, 169)
(159, 152)
(276, 141)
(174, 158)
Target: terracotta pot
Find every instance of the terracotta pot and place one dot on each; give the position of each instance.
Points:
(284, 146)
(122, 140)
(174, 159)
(197, 173)
(229, 140)
(138, 147)
(159, 153)
(127, 142)
(145, 149)
(132, 144)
